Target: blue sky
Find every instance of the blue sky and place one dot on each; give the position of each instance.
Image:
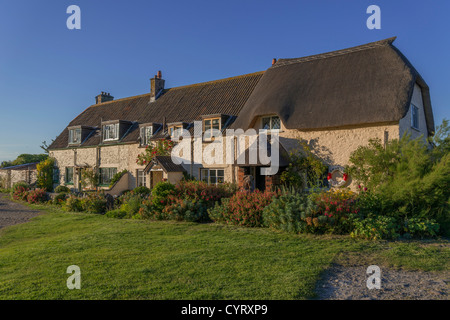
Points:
(49, 74)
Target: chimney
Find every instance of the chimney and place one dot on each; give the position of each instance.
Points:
(103, 97)
(274, 61)
(156, 85)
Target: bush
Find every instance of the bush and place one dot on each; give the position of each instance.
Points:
(142, 190)
(45, 174)
(73, 204)
(186, 210)
(37, 196)
(94, 203)
(203, 192)
(375, 227)
(420, 228)
(161, 193)
(405, 178)
(117, 213)
(289, 212)
(17, 185)
(60, 198)
(333, 209)
(62, 189)
(20, 191)
(244, 208)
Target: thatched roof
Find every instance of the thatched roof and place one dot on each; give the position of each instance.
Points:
(372, 83)
(179, 104)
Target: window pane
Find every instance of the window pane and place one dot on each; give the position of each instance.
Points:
(212, 173)
(266, 123)
(204, 175)
(276, 123)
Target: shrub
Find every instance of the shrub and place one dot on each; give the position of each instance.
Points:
(117, 213)
(142, 190)
(160, 194)
(62, 189)
(186, 210)
(45, 174)
(17, 185)
(406, 178)
(20, 191)
(73, 204)
(420, 228)
(37, 196)
(289, 212)
(60, 198)
(333, 208)
(94, 203)
(244, 208)
(203, 192)
(375, 227)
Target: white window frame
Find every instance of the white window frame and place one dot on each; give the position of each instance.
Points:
(206, 175)
(414, 117)
(141, 178)
(110, 132)
(270, 123)
(146, 134)
(175, 131)
(75, 136)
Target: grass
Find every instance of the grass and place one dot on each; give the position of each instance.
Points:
(131, 259)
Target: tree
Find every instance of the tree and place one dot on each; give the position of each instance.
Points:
(45, 174)
(24, 159)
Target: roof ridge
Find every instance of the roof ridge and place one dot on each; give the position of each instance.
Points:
(181, 87)
(218, 80)
(370, 45)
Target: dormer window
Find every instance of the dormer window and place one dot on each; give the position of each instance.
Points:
(271, 123)
(209, 125)
(146, 132)
(78, 134)
(110, 132)
(175, 131)
(75, 136)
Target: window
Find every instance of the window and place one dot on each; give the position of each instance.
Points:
(106, 175)
(56, 175)
(141, 179)
(212, 176)
(414, 117)
(271, 123)
(75, 136)
(210, 124)
(111, 132)
(69, 175)
(176, 131)
(146, 133)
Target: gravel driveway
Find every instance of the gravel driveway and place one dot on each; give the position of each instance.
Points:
(14, 213)
(349, 283)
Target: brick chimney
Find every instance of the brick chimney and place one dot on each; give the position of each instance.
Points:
(103, 97)
(156, 86)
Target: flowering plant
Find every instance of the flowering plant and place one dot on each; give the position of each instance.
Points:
(159, 148)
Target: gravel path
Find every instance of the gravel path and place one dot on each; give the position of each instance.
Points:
(14, 213)
(349, 283)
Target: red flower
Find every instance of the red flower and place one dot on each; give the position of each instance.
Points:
(329, 176)
(345, 176)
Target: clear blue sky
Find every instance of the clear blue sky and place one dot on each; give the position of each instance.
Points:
(49, 74)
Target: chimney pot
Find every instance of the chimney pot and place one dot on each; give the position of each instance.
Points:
(274, 61)
(156, 85)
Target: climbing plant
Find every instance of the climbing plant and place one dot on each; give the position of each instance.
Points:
(158, 148)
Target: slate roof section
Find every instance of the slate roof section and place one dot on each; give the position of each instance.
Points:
(186, 103)
(166, 164)
(372, 83)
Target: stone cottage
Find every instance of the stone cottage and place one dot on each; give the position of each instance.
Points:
(334, 101)
(20, 173)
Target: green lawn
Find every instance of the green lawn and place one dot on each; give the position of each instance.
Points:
(130, 259)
